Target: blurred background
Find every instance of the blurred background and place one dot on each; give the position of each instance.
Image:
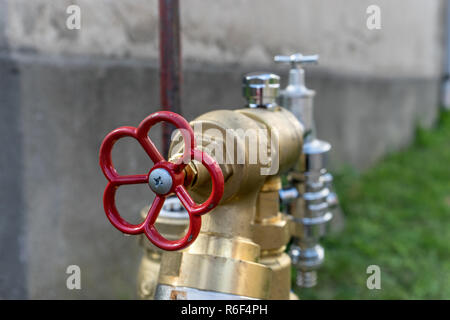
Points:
(62, 91)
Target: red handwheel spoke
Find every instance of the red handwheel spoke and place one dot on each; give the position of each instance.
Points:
(185, 198)
(151, 149)
(217, 187)
(154, 210)
(130, 179)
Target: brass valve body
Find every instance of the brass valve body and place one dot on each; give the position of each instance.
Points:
(226, 257)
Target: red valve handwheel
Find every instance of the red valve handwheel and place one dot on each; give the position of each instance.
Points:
(163, 178)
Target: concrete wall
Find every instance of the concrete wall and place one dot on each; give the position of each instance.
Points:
(240, 32)
(61, 91)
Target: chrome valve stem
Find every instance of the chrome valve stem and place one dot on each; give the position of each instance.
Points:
(310, 213)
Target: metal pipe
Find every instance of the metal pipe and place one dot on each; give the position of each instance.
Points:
(170, 63)
(445, 89)
(447, 38)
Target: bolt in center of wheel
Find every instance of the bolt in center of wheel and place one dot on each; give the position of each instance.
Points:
(160, 181)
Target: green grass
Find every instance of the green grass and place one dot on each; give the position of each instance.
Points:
(397, 217)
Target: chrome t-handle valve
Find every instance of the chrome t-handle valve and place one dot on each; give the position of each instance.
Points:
(296, 97)
(298, 59)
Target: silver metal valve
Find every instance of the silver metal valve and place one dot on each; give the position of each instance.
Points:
(315, 202)
(297, 59)
(296, 97)
(333, 200)
(310, 213)
(261, 89)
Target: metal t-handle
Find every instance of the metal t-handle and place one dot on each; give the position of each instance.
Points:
(297, 59)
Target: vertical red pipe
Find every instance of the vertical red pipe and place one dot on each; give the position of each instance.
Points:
(170, 63)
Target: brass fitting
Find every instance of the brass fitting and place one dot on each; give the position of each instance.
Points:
(226, 260)
(271, 232)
